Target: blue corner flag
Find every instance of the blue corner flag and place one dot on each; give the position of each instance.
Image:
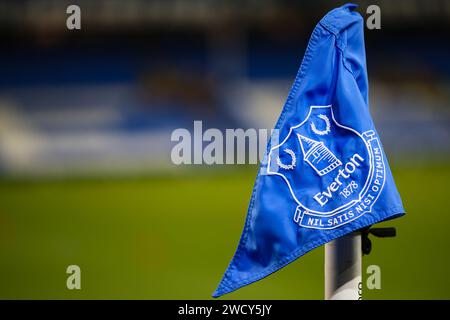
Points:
(326, 174)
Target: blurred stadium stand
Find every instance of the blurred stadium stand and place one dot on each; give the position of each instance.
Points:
(107, 97)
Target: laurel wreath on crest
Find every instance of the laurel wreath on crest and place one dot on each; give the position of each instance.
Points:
(293, 160)
(327, 126)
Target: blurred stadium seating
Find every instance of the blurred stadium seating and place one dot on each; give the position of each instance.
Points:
(106, 98)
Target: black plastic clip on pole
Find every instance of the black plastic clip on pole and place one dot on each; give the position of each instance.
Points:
(366, 244)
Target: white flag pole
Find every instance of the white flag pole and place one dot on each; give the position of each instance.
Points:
(343, 268)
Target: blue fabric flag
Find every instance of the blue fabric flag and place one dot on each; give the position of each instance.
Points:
(325, 173)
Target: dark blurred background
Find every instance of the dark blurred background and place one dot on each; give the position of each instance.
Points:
(86, 118)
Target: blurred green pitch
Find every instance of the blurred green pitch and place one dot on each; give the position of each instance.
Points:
(172, 238)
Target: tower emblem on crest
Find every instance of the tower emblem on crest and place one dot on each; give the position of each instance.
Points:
(319, 157)
(333, 172)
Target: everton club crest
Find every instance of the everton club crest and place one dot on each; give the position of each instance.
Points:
(334, 173)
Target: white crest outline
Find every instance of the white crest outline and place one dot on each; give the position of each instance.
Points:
(348, 204)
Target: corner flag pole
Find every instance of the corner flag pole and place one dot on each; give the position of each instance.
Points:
(343, 268)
